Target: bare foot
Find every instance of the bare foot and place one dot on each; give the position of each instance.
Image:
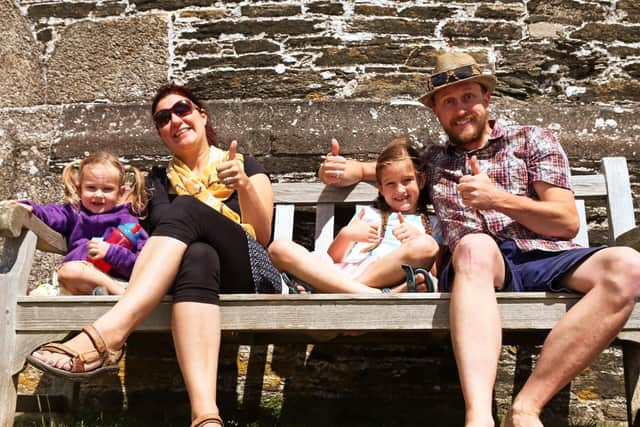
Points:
(80, 343)
(421, 285)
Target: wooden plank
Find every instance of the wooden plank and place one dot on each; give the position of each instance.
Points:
(620, 200)
(324, 226)
(582, 238)
(588, 186)
(16, 259)
(309, 193)
(283, 224)
(320, 312)
(14, 218)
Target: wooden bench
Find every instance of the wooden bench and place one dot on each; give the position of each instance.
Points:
(28, 322)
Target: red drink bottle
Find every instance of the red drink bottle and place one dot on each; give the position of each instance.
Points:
(125, 235)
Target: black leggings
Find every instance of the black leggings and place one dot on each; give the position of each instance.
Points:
(217, 257)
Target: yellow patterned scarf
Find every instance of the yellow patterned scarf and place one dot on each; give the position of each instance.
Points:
(209, 190)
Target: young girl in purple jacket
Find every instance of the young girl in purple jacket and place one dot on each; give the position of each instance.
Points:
(99, 199)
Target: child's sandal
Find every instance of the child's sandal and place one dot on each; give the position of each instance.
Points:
(411, 274)
(109, 359)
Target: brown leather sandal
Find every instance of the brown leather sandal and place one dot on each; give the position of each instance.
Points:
(207, 419)
(109, 359)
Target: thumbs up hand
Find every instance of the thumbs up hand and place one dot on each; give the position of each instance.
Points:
(332, 169)
(477, 190)
(230, 172)
(360, 230)
(404, 231)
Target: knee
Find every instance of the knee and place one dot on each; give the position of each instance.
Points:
(476, 254)
(199, 253)
(279, 251)
(622, 273)
(422, 250)
(70, 271)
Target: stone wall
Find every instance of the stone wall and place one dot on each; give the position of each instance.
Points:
(283, 77)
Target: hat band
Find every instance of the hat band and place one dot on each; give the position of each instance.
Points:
(451, 76)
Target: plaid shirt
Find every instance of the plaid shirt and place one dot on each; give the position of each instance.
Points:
(514, 158)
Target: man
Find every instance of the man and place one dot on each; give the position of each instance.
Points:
(502, 195)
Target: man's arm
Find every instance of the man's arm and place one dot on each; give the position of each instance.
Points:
(553, 215)
(336, 170)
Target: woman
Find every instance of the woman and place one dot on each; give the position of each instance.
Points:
(212, 213)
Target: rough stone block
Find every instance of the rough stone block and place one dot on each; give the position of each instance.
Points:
(23, 79)
(251, 46)
(631, 8)
(325, 8)
(566, 11)
(120, 60)
(270, 11)
(427, 12)
(254, 28)
(491, 30)
(608, 33)
(506, 12)
(393, 26)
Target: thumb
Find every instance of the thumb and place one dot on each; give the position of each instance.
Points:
(360, 214)
(475, 166)
(335, 147)
(400, 217)
(233, 148)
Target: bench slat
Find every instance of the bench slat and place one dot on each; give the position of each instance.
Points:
(621, 215)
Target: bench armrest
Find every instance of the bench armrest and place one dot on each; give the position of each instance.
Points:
(630, 238)
(14, 218)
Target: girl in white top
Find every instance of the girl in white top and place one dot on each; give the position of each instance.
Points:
(367, 254)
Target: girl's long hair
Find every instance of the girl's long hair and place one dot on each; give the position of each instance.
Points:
(399, 149)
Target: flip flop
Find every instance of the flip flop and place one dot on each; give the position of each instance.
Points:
(411, 274)
(207, 419)
(293, 282)
(78, 371)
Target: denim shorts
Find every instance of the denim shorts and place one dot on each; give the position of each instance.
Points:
(529, 271)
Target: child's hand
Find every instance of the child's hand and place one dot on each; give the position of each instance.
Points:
(97, 249)
(230, 173)
(15, 203)
(361, 231)
(405, 231)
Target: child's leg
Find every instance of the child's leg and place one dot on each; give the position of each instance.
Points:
(82, 277)
(297, 260)
(418, 252)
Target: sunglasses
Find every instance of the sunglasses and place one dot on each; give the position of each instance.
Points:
(181, 108)
(450, 76)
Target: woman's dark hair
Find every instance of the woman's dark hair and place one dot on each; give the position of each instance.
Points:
(172, 88)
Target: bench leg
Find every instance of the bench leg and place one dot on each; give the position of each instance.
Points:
(8, 398)
(631, 360)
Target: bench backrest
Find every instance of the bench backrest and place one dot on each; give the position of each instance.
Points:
(613, 184)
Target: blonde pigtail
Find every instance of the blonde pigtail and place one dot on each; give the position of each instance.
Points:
(71, 181)
(425, 223)
(136, 193)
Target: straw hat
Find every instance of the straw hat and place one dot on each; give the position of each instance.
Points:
(452, 68)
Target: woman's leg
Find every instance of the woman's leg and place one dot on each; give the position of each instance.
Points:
(82, 277)
(297, 260)
(152, 275)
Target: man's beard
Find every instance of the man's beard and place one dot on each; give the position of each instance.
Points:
(464, 141)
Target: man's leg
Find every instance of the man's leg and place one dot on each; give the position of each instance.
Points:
(475, 322)
(610, 280)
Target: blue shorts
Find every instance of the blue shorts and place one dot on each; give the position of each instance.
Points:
(531, 271)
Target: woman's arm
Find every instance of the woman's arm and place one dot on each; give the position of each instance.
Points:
(256, 205)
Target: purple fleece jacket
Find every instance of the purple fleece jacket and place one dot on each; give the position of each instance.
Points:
(78, 226)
